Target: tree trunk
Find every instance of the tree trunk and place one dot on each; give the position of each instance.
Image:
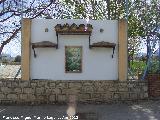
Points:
(108, 7)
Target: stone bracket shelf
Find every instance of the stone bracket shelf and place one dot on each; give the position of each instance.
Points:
(43, 44)
(104, 44)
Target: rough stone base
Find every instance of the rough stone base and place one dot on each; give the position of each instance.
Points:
(51, 92)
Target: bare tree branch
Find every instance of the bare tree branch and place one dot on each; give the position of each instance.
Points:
(3, 20)
(9, 39)
(42, 10)
(2, 33)
(16, 13)
(2, 1)
(8, 11)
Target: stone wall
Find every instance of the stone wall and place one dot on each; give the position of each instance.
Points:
(47, 91)
(153, 85)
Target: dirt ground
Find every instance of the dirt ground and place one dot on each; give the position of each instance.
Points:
(146, 110)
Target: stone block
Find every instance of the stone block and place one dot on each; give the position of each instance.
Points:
(47, 85)
(52, 84)
(28, 90)
(52, 98)
(23, 96)
(75, 85)
(133, 96)
(137, 90)
(42, 83)
(31, 97)
(96, 96)
(62, 98)
(123, 89)
(141, 96)
(112, 89)
(8, 84)
(1, 84)
(57, 91)
(107, 96)
(71, 91)
(48, 90)
(17, 90)
(12, 96)
(87, 83)
(145, 88)
(6, 90)
(41, 97)
(33, 84)
(146, 95)
(61, 85)
(2, 96)
(116, 96)
(124, 96)
(84, 96)
(99, 84)
(101, 89)
(15, 83)
(111, 85)
(88, 89)
(122, 84)
(40, 90)
(24, 84)
(72, 99)
(131, 85)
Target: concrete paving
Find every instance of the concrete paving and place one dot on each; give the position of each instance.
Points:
(146, 110)
(9, 71)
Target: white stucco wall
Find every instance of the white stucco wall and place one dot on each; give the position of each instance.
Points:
(97, 62)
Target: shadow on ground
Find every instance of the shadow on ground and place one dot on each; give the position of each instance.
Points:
(148, 110)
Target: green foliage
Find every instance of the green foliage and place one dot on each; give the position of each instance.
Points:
(17, 58)
(73, 59)
(154, 69)
(138, 67)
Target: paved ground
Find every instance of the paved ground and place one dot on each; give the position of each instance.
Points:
(9, 71)
(148, 110)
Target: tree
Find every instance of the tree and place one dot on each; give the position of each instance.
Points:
(17, 58)
(11, 12)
